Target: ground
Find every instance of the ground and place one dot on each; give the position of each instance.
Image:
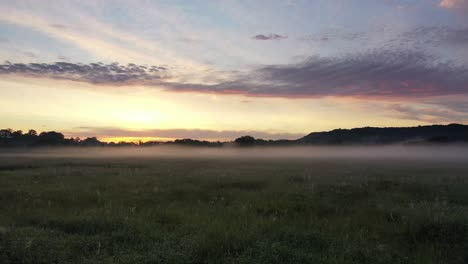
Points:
(207, 210)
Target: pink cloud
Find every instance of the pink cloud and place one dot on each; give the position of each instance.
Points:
(461, 5)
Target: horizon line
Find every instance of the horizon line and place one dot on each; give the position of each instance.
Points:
(147, 139)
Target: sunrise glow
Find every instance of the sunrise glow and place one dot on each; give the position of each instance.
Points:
(141, 70)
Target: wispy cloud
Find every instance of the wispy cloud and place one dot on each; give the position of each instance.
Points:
(334, 35)
(269, 37)
(426, 113)
(30, 54)
(100, 43)
(420, 36)
(59, 26)
(63, 58)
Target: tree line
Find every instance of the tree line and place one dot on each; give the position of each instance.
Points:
(432, 134)
(31, 138)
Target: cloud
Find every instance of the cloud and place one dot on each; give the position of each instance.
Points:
(187, 40)
(336, 35)
(373, 74)
(420, 37)
(97, 39)
(110, 132)
(95, 73)
(269, 37)
(30, 54)
(456, 104)
(63, 58)
(458, 37)
(384, 74)
(461, 5)
(435, 36)
(427, 113)
(58, 26)
(89, 43)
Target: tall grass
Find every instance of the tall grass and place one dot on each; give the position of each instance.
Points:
(232, 211)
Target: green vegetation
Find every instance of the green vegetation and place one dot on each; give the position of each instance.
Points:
(232, 211)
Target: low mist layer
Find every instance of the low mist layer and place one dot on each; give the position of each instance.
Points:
(358, 152)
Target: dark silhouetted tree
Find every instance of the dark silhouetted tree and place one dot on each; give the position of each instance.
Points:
(32, 133)
(17, 134)
(6, 133)
(91, 141)
(245, 141)
(51, 138)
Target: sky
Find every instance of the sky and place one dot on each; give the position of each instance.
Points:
(217, 70)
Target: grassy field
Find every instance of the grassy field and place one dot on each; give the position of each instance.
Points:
(158, 210)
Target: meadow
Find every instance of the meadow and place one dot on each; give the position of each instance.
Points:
(232, 210)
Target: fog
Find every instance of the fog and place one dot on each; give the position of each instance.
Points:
(455, 153)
